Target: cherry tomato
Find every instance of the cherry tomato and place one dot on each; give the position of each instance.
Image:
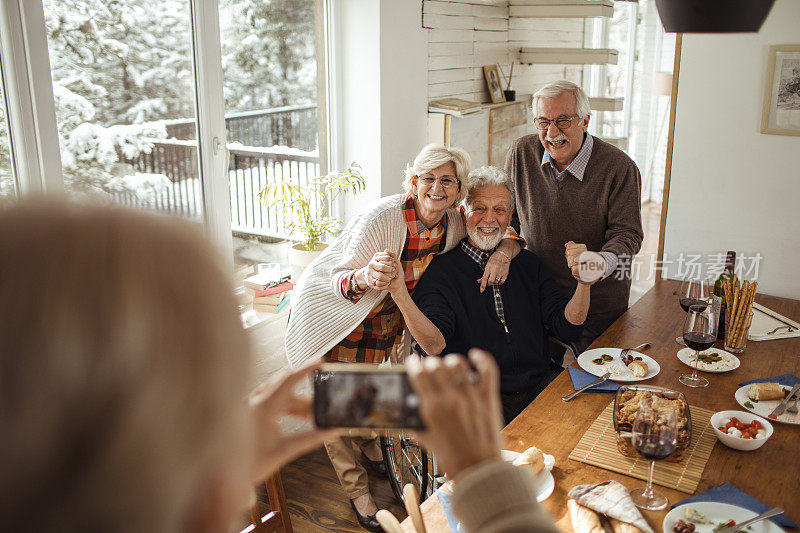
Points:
(756, 424)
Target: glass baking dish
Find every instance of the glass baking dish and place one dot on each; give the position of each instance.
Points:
(626, 402)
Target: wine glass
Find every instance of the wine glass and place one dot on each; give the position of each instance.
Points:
(699, 333)
(693, 292)
(655, 435)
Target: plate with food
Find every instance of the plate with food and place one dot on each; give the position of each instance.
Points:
(711, 360)
(708, 517)
(539, 464)
(636, 367)
(763, 398)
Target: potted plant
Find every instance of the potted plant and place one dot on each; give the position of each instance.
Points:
(306, 206)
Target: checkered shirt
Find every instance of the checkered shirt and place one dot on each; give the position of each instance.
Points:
(481, 257)
(373, 339)
(578, 165)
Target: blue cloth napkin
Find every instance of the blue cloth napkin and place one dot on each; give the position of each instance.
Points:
(727, 493)
(445, 498)
(787, 380)
(581, 378)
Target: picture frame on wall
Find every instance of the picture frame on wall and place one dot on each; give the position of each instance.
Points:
(781, 114)
(492, 75)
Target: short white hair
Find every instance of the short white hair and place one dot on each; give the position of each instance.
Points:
(435, 155)
(487, 175)
(556, 88)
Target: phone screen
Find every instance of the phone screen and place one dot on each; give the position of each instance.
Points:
(365, 399)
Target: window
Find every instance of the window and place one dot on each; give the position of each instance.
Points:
(7, 182)
(270, 57)
(123, 86)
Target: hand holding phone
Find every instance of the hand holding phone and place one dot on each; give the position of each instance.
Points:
(350, 395)
(462, 414)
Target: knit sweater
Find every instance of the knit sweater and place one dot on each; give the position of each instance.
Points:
(449, 295)
(321, 316)
(603, 212)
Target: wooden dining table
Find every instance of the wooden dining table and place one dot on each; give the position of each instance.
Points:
(770, 474)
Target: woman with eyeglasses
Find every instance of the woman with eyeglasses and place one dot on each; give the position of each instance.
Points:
(342, 310)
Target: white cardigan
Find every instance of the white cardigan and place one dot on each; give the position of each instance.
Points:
(321, 316)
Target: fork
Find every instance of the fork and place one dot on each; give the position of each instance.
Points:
(624, 352)
(793, 408)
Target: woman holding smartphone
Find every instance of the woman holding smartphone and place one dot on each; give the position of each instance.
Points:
(342, 309)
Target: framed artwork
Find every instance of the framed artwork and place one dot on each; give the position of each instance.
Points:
(781, 113)
(492, 76)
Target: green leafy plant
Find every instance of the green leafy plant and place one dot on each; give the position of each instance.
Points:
(306, 206)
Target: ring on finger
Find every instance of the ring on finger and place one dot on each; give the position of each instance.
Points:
(466, 377)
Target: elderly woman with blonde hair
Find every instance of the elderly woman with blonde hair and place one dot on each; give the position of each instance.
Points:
(125, 373)
(342, 309)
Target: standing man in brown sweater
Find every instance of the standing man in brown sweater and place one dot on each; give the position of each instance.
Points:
(576, 192)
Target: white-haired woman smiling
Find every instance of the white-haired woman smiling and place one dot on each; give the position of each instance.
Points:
(342, 309)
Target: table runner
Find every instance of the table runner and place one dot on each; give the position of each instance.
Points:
(598, 447)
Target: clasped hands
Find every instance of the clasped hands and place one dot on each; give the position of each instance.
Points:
(383, 272)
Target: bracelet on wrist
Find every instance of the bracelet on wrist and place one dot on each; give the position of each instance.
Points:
(505, 254)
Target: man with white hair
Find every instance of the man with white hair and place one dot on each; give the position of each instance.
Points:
(576, 192)
(508, 321)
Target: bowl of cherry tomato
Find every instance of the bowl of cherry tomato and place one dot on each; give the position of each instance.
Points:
(741, 430)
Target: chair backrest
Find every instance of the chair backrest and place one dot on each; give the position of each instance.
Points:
(278, 519)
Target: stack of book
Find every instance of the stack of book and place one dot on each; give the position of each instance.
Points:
(453, 106)
(269, 294)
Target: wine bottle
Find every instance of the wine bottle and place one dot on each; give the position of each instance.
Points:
(719, 290)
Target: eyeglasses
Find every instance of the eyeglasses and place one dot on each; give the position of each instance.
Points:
(560, 122)
(447, 183)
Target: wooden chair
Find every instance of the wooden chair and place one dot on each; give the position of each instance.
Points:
(277, 520)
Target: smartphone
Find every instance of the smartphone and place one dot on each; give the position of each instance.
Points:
(352, 395)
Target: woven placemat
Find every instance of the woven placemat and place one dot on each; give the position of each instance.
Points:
(598, 447)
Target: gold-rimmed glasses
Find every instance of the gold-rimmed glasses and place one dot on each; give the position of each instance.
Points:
(445, 182)
(561, 122)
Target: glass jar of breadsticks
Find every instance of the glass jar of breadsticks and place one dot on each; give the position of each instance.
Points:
(739, 298)
(626, 405)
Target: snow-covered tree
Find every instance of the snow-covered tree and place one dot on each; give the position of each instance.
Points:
(269, 55)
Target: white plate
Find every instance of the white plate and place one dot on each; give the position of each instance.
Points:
(718, 512)
(765, 407)
(622, 373)
(545, 482)
(729, 361)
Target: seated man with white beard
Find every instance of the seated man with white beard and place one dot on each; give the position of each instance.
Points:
(508, 320)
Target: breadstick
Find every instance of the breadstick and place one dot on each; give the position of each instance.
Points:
(742, 316)
(742, 333)
(735, 290)
(741, 304)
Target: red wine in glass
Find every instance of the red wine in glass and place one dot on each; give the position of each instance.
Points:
(698, 341)
(699, 333)
(686, 303)
(655, 436)
(693, 292)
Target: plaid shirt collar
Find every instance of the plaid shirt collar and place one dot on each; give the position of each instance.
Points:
(415, 225)
(476, 254)
(578, 165)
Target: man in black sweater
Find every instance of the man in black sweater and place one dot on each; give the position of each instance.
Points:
(509, 319)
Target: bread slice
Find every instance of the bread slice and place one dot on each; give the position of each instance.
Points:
(765, 391)
(532, 458)
(638, 368)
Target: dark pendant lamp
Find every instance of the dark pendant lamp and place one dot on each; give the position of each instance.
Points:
(713, 16)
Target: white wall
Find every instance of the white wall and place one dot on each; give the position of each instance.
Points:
(731, 186)
(381, 90)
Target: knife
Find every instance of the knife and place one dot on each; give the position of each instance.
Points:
(782, 406)
(772, 512)
(599, 380)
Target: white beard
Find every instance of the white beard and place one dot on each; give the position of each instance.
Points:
(484, 242)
